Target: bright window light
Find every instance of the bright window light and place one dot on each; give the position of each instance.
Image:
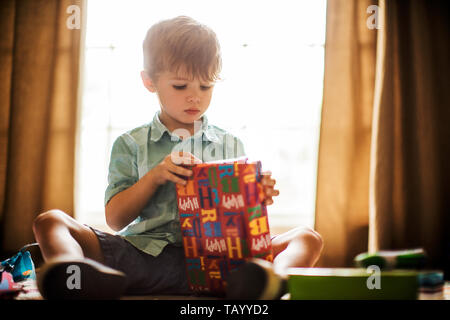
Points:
(270, 96)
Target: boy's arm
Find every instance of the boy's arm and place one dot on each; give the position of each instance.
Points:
(126, 205)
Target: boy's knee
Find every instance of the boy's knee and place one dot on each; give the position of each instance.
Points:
(47, 219)
(312, 238)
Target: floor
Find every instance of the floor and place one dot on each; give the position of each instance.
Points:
(30, 292)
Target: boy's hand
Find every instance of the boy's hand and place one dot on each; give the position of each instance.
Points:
(171, 168)
(268, 185)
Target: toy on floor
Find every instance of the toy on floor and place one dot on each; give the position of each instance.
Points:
(14, 270)
(20, 265)
(431, 282)
(393, 259)
(7, 285)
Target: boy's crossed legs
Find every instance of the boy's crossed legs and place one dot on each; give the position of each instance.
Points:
(61, 237)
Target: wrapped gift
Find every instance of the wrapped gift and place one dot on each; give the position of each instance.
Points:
(223, 222)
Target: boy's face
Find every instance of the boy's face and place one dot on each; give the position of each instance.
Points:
(183, 100)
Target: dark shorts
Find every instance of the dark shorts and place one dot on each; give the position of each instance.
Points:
(146, 274)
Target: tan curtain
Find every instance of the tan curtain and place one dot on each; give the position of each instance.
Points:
(344, 151)
(39, 70)
(384, 150)
(410, 179)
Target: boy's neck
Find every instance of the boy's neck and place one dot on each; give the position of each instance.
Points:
(173, 125)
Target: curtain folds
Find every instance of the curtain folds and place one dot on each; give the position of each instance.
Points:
(39, 63)
(384, 178)
(410, 164)
(345, 136)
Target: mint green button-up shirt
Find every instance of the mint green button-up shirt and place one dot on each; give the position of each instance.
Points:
(137, 151)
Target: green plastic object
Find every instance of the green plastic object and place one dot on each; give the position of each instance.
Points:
(393, 259)
(351, 284)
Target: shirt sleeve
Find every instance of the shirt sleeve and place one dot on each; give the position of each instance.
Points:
(123, 172)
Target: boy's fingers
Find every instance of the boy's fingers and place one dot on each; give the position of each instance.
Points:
(179, 170)
(266, 174)
(270, 192)
(269, 182)
(267, 178)
(172, 177)
(275, 192)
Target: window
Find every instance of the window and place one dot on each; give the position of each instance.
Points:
(271, 95)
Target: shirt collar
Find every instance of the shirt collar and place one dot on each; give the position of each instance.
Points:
(158, 129)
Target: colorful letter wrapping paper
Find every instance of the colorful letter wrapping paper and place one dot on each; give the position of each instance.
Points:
(223, 222)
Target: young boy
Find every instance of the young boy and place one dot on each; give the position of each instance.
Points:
(181, 64)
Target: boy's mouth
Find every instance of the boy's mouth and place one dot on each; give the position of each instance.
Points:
(192, 111)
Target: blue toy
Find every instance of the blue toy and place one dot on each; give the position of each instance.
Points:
(21, 265)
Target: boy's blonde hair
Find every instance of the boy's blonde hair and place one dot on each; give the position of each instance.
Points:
(182, 42)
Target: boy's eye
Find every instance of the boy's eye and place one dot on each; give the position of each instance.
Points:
(181, 87)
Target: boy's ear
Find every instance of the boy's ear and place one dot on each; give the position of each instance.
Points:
(148, 83)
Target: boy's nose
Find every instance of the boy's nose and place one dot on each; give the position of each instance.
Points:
(193, 99)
